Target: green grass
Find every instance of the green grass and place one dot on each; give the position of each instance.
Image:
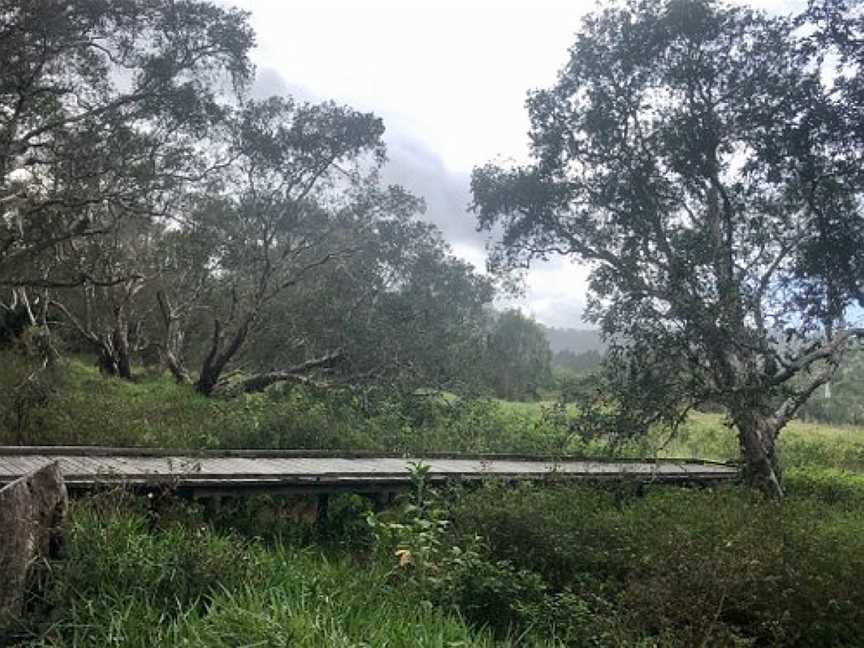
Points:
(86, 408)
(556, 566)
(125, 583)
(801, 444)
(531, 566)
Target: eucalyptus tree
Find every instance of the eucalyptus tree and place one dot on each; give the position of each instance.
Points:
(694, 155)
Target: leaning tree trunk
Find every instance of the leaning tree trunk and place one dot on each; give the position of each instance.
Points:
(171, 348)
(115, 358)
(107, 360)
(208, 378)
(757, 438)
(221, 354)
(177, 368)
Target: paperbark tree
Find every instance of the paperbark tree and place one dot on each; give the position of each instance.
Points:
(278, 209)
(102, 107)
(695, 156)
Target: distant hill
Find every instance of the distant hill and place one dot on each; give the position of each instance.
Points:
(575, 340)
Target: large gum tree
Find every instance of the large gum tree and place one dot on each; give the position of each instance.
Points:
(704, 160)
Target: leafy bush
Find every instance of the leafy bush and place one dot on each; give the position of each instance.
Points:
(458, 573)
(684, 567)
(27, 389)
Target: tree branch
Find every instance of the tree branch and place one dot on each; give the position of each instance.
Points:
(260, 382)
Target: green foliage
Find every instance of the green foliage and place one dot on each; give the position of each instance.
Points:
(578, 363)
(416, 539)
(518, 359)
(489, 594)
(156, 412)
(27, 392)
(124, 583)
(687, 568)
(843, 401)
(832, 488)
(802, 445)
(181, 563)
(550, 566)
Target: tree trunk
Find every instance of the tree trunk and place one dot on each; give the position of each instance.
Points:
(177, 368)
(757, 438)
(107, 361)
(208, 379)
(218, 357)
(121, 350)
(114, 356)
(262, 381)
(172, 340)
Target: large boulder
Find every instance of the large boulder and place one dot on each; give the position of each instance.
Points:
(32, 514)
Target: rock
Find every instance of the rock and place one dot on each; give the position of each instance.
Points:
(32, 514)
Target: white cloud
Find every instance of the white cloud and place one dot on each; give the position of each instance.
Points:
(451, 74)
(555, 293)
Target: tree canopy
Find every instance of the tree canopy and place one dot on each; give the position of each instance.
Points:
(704, 160)
(152, 208)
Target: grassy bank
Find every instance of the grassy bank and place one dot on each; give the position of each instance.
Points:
(801, 444)
(82, 407)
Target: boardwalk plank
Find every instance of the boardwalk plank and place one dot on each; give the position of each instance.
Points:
(277, 471)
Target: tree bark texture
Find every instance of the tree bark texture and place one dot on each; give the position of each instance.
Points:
(32, 514)
(757, 437)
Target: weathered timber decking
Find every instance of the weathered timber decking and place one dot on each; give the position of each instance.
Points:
(234, 472)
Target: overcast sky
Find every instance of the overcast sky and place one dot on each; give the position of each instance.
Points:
(449, 78)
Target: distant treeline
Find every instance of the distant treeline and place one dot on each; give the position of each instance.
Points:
(573, 340)
(842, 400)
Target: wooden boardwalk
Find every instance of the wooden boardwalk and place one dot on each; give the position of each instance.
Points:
(239, 472)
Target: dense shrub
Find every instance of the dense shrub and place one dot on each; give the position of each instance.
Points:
(834, 489)
(691, 567)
